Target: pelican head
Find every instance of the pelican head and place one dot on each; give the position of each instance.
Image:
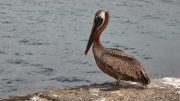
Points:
(100, 21)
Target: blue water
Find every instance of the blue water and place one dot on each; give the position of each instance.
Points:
(42, 41)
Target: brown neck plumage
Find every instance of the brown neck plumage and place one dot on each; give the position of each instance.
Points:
(100, 30)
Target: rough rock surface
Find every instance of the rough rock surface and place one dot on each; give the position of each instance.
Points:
(165, 89)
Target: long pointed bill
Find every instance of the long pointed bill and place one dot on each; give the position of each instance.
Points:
(91, 38)
(97, 22)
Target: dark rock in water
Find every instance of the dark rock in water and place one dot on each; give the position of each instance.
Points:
(166, 89)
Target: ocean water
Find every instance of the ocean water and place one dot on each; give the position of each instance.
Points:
(42, 41)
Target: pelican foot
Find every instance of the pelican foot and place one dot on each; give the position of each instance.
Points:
(112, 87)
(116, 86)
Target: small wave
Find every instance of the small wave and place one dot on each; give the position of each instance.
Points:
(37, 65)
(33, 42)
(2, 52)
(7, 22)
(79, 62)
(28, 53)
(121, 46)
(10, 81)
(93, 72)
(151, 17)
(6, 36)
(44, 71)
(167, 1)
(17, 61)
(147, 57)
(69, 79)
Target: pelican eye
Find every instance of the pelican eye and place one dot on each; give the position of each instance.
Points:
(98, 19)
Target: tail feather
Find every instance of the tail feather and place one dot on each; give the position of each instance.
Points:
(145, 79)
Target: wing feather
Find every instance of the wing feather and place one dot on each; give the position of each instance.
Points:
(125, 64)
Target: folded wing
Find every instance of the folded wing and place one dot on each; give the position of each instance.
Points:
(124, 64)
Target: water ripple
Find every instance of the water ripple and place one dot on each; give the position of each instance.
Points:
(33, 42)
(28, 53)
(146, 57)
(93, 72)
(2, 52)
(45, 71)
(17, 61)
(6, 36)
(76, 61)
(121, 46)
(37, 65)
(2, 70)
(151, 17)
(69, 79)
(167, 1)
(7, 22)
(11, 82)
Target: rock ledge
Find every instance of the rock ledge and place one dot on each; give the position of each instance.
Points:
(165, 89)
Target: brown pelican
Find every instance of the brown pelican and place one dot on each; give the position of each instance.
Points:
(114, 62)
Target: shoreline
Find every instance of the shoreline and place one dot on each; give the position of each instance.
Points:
(164, 89)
